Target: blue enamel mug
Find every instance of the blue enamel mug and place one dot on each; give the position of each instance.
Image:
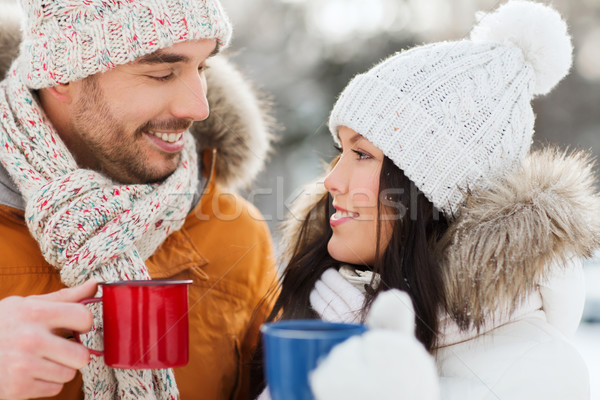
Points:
(293, 348)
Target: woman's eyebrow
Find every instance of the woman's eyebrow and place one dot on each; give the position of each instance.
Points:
(355, 138)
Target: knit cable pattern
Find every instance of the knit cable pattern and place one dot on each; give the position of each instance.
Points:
(88, 226)
(455, 115)
(66, 40)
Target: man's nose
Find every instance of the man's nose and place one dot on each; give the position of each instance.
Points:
(190, 101)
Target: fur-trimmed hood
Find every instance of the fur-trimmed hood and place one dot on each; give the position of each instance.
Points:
(507, 238)
(239, 125)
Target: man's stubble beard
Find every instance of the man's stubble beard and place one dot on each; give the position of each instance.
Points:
(116, 153)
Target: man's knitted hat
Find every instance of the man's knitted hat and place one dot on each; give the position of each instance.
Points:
(66, 40)
(453, 114)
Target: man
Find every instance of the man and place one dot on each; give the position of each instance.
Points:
(101, 179)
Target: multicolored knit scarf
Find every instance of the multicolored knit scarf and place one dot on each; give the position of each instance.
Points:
(89, 226)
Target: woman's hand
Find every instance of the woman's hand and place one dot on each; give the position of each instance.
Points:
(386, 362)
(335, 299)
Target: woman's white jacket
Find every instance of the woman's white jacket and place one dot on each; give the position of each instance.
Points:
(527, 356)
(514, 289)
(514, 282)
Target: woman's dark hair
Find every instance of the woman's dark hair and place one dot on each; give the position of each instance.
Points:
(406, 263)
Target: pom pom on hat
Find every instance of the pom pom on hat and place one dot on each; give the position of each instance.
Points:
(540, 33)
(454, 115)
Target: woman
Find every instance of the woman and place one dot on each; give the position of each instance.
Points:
(436, 193)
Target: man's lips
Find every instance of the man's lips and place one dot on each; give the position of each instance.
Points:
(170, 142)
(169, 137)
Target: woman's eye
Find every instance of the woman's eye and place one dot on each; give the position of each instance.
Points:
(337, 148)
(203, 68)
(361, 155)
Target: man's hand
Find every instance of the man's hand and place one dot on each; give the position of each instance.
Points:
(34, 362)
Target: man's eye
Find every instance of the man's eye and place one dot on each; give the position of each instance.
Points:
(203, 68)
(161, 78)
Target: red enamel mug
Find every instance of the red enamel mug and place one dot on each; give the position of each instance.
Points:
(145, 324)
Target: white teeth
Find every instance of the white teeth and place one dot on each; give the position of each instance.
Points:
(167, 137)
(344, 214)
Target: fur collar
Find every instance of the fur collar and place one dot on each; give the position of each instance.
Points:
(239, 125)
(508, 237)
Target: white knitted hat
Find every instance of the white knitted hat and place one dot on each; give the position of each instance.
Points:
(452, 114)
(66, 40)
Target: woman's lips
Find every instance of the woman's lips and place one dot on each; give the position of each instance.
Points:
(342, 216)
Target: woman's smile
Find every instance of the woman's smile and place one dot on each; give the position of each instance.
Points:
(342, 216)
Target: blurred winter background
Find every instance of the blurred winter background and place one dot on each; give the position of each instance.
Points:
(303, 52)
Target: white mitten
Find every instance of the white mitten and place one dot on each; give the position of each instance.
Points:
(335, 299)
(386, 362)
(265, 395)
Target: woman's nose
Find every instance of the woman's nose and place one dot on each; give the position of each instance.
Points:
(336, 181)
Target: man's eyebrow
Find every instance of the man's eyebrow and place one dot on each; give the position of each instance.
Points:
(161, 56)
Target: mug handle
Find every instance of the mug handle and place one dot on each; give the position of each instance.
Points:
(76, 334)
